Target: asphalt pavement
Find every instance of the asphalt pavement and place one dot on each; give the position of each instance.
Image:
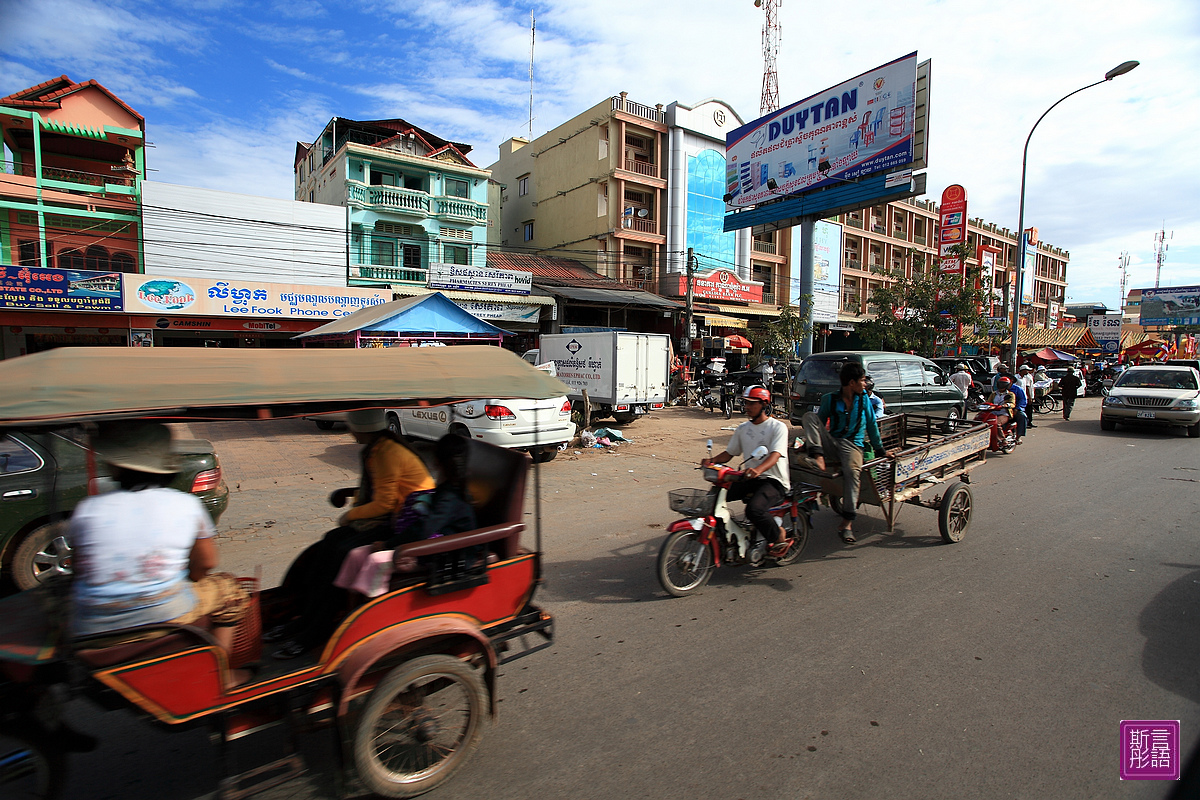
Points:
(1000, 666)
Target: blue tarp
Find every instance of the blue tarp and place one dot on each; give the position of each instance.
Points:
(425, 314)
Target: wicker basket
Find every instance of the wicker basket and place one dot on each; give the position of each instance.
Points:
(247, 634)
(692, 502)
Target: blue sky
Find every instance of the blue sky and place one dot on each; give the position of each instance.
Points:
(227, 88)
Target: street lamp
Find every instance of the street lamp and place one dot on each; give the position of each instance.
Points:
(1121, 69)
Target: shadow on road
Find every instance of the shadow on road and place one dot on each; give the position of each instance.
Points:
(1090, 427)
(343, 455)
(1172, 647)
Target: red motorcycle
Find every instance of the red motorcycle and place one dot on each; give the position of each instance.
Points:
(1004, 437)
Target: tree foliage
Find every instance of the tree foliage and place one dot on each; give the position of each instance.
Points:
(911, 313)
(781, 336)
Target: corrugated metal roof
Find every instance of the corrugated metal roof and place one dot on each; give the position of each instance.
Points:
(616, 297)
(551, 271)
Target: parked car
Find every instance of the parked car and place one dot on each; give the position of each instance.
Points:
(1157, 394)
(982, 368)
(538, 426)
(1194, 363)
(908, 384)
(44, 475)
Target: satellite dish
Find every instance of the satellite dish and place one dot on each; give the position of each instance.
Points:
(643, 213)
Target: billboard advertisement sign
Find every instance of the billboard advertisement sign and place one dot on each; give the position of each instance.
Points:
(160, 294)
(1106, 331)
(720, 284)
(59, 289)
(479, 279)
(827, 256)
(952, 230)
(825, 306)
(859, 127)
(1170, 305)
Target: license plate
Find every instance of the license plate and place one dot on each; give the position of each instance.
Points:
(1145, 415)
(816, 409)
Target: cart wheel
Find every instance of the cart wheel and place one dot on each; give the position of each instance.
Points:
(797, 527)
(28, 769)
(684, 563)
(954, 513)
(419, 725)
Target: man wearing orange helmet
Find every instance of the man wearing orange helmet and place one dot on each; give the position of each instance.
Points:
(767, 483)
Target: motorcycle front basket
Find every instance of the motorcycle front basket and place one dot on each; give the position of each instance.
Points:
(692, 502)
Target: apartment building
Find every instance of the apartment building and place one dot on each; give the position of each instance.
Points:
(593, 190)
(883, 238)
(413, 198)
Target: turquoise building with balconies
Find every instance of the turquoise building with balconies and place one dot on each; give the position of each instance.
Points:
(412, 198)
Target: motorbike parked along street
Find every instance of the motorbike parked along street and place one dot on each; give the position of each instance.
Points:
(710, 535)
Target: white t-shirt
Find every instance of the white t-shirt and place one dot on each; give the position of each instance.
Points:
(963, 381)
(133, 550)
(772, 434)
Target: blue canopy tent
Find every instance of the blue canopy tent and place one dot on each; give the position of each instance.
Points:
(428, 319)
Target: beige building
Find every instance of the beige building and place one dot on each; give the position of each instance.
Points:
(592, 190)
(882, 238)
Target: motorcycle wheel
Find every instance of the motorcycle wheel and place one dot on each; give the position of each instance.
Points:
(728, 408)
(684, 563)
(797, 527)
(29, 769)
(1008, 443)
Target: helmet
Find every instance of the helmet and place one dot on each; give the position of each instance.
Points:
(1004, 382)
(759, 393)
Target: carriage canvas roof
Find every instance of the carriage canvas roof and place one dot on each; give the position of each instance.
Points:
(86, 383)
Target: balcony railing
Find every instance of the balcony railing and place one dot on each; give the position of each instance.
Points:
(641, 225)
(853, 263)
(387, 274)
(645, 284)
(851, 302)
(25, 169)
(462, 209)
(621, 103)
(876, 228)
(768, 296)
(764, 247)
(641, 168)
(392, 197)
(854, 223)
(918, 239)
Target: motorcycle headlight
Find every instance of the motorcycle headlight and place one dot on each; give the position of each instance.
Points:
(1187, 402)
(1113, 400)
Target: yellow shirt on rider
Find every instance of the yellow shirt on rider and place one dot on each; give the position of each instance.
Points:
(395, 473)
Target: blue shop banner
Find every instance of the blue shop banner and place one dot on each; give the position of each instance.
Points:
(59, 289)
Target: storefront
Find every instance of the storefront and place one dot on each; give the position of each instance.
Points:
(45, 308)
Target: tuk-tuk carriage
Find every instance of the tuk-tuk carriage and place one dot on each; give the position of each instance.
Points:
(406, 683)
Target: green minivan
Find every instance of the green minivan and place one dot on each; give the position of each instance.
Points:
(908, 384)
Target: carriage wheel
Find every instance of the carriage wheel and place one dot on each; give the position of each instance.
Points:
(420, 724)
(29, 770)
(954, 514)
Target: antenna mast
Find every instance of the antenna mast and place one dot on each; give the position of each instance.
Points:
(770, 40)
(532, 35)
(1160, 251)
(1123, 265)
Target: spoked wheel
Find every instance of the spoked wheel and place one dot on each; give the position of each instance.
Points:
(797, 528)
(420, 724)
(954, 514)
(1008, 442)
(684, 563)
(29, 770)
(728, 405)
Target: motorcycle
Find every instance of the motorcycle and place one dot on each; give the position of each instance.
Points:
(975, 398)
(710, 535)
(1004, 437)
(719, 392)
(1099, 387)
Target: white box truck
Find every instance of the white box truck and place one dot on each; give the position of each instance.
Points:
(625, 374)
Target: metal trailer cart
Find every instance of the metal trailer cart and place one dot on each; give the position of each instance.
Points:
(925, 458)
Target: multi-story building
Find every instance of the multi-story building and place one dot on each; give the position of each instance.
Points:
(904, 236)
(73, 160)
(592, 190)
(413, 198)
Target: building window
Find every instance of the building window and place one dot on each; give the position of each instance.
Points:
(312, 197)
(122, 262)
(706, 235)
(70, 259)
(456, 254)
(383, 252)
(637, 141)
(382, 178)
(29, 254)
(412, 256)
(522, 186)
(457, 188)
(96, 258)
(529, 231)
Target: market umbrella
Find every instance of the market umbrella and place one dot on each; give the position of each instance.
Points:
(1048, 355)
(738, 341)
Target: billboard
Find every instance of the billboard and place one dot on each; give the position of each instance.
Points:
(158, 294)
(1170, 305)
(862, 126)
(1106, 330)
(827, 271)
(952, 227)
(59, 289)
(479, 279)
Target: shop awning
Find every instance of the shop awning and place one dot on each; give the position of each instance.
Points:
(612, 297)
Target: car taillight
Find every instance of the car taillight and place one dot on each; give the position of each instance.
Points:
(498, 412)
(657, 406)
(209, 479)
(566, 408)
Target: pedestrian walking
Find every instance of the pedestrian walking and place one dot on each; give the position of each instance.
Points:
(1069, 385)
(1025, 378)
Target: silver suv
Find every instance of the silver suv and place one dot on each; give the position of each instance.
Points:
(1157, 394)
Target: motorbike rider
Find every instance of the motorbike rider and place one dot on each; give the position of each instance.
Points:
(851, 420)
(1003, 403)
(767, 483)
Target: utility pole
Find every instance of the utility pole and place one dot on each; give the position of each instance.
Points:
(1123, 265)
(687, 329)
(1160, 252)
(770, 40)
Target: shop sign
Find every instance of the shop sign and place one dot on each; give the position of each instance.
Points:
(824, 306)
(952, 227)
(141, 338)
(1106, 330)
(504, 312)
(223, 324)
(720, 284)
(59, 289)
(231, 298)
(841, 326)
(479, 279)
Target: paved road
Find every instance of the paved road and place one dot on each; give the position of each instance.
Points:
(997, 667)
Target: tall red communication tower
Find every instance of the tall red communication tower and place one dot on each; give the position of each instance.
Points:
(770, 39)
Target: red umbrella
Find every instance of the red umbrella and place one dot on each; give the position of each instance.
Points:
(737, 341)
